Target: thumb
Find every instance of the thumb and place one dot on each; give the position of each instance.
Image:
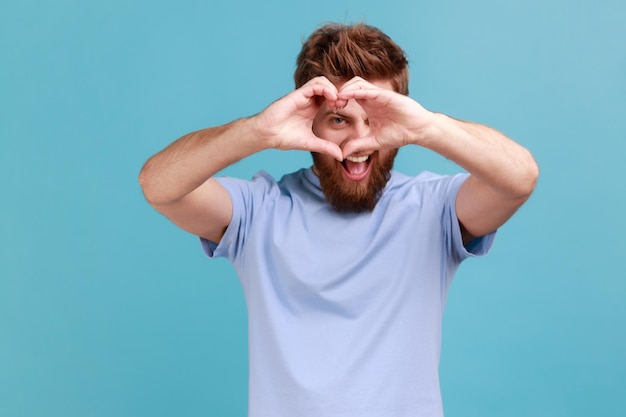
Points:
(326, 147)
(358, 145)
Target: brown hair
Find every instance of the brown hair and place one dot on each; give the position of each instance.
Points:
(341, 52)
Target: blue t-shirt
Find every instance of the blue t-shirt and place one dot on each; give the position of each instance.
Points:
(344, 310)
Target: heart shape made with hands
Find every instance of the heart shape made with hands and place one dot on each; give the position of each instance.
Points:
(380, 117)
(377, 116)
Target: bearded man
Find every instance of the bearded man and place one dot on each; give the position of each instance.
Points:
(345, 265)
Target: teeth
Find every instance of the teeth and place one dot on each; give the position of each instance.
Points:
(357, 158)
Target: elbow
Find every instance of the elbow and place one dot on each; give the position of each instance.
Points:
(146, 182)
(158, 186)
(527, 178)
(143, 183)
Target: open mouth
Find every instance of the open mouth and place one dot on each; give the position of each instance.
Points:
(356, 168)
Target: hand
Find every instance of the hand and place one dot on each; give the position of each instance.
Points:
(394, 119)
(287, 123)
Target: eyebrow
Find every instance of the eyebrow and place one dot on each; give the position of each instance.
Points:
(336, 113)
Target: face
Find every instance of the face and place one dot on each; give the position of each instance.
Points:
(356, 184)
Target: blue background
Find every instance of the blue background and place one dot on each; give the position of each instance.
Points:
(106, 309)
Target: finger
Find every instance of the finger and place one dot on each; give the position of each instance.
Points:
(359, 94)
(323, 146)
(358, 83)
(320, 86)
(355, 82)
(360, 145)
(338, 104)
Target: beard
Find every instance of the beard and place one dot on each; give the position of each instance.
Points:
(347, 196)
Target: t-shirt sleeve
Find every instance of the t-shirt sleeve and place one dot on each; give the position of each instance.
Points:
(480, 246)
(246, 197)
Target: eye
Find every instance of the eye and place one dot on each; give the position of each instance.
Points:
(337, 120)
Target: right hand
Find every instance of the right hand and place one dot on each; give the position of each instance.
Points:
(288, 122)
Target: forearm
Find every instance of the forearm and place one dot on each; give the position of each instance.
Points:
(191, 160)
(505, 166)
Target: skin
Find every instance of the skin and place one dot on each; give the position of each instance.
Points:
(178, 181)
(340, 126)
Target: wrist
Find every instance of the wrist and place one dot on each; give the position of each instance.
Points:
(250, 132)
(432, 129)
(263, 131)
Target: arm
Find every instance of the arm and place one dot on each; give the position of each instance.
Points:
(502, 173)
(178, 181)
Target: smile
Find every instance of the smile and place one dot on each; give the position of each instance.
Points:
(356, 168)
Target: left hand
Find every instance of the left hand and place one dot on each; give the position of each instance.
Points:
(394, 119)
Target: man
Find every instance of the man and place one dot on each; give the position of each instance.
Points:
(346, 265)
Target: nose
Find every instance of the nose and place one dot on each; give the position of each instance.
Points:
(361, 128)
